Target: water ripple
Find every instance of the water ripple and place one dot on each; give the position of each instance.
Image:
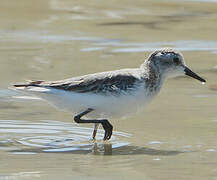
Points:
(179, 45)
(116, 45)
(53, 136)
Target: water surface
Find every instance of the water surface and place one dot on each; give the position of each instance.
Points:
(175, 136)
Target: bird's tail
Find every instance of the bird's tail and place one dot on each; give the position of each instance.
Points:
(27, 84)
(30, 86)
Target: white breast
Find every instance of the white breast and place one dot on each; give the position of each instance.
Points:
(109, 106)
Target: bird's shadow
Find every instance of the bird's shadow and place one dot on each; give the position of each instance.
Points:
(102, 149)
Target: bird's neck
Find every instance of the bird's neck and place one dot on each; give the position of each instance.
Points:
(153, 76)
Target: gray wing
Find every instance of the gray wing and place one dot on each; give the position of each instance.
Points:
(114, 82)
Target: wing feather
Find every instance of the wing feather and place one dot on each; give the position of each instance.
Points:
(113, 82)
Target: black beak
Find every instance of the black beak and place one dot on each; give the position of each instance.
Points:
(189, 72)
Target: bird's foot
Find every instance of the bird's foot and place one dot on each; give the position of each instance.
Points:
(108, 129)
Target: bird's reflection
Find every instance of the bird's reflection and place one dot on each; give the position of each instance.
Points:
(107, 149)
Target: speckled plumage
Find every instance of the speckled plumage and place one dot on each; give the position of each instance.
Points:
(114, 93)
(107, 83)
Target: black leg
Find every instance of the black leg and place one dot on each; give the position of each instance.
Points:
(105, 123)
(96, 125)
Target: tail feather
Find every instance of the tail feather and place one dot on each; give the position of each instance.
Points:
(31, 87)
(28, 83)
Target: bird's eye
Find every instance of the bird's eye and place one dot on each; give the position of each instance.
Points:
(176, 60)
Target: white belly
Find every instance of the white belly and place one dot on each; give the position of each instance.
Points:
(104, 106)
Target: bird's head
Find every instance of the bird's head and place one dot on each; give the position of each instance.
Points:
(171, 63)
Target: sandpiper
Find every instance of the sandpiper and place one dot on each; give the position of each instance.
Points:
(112, 94)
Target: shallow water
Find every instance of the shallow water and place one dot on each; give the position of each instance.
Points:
(174, 138)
